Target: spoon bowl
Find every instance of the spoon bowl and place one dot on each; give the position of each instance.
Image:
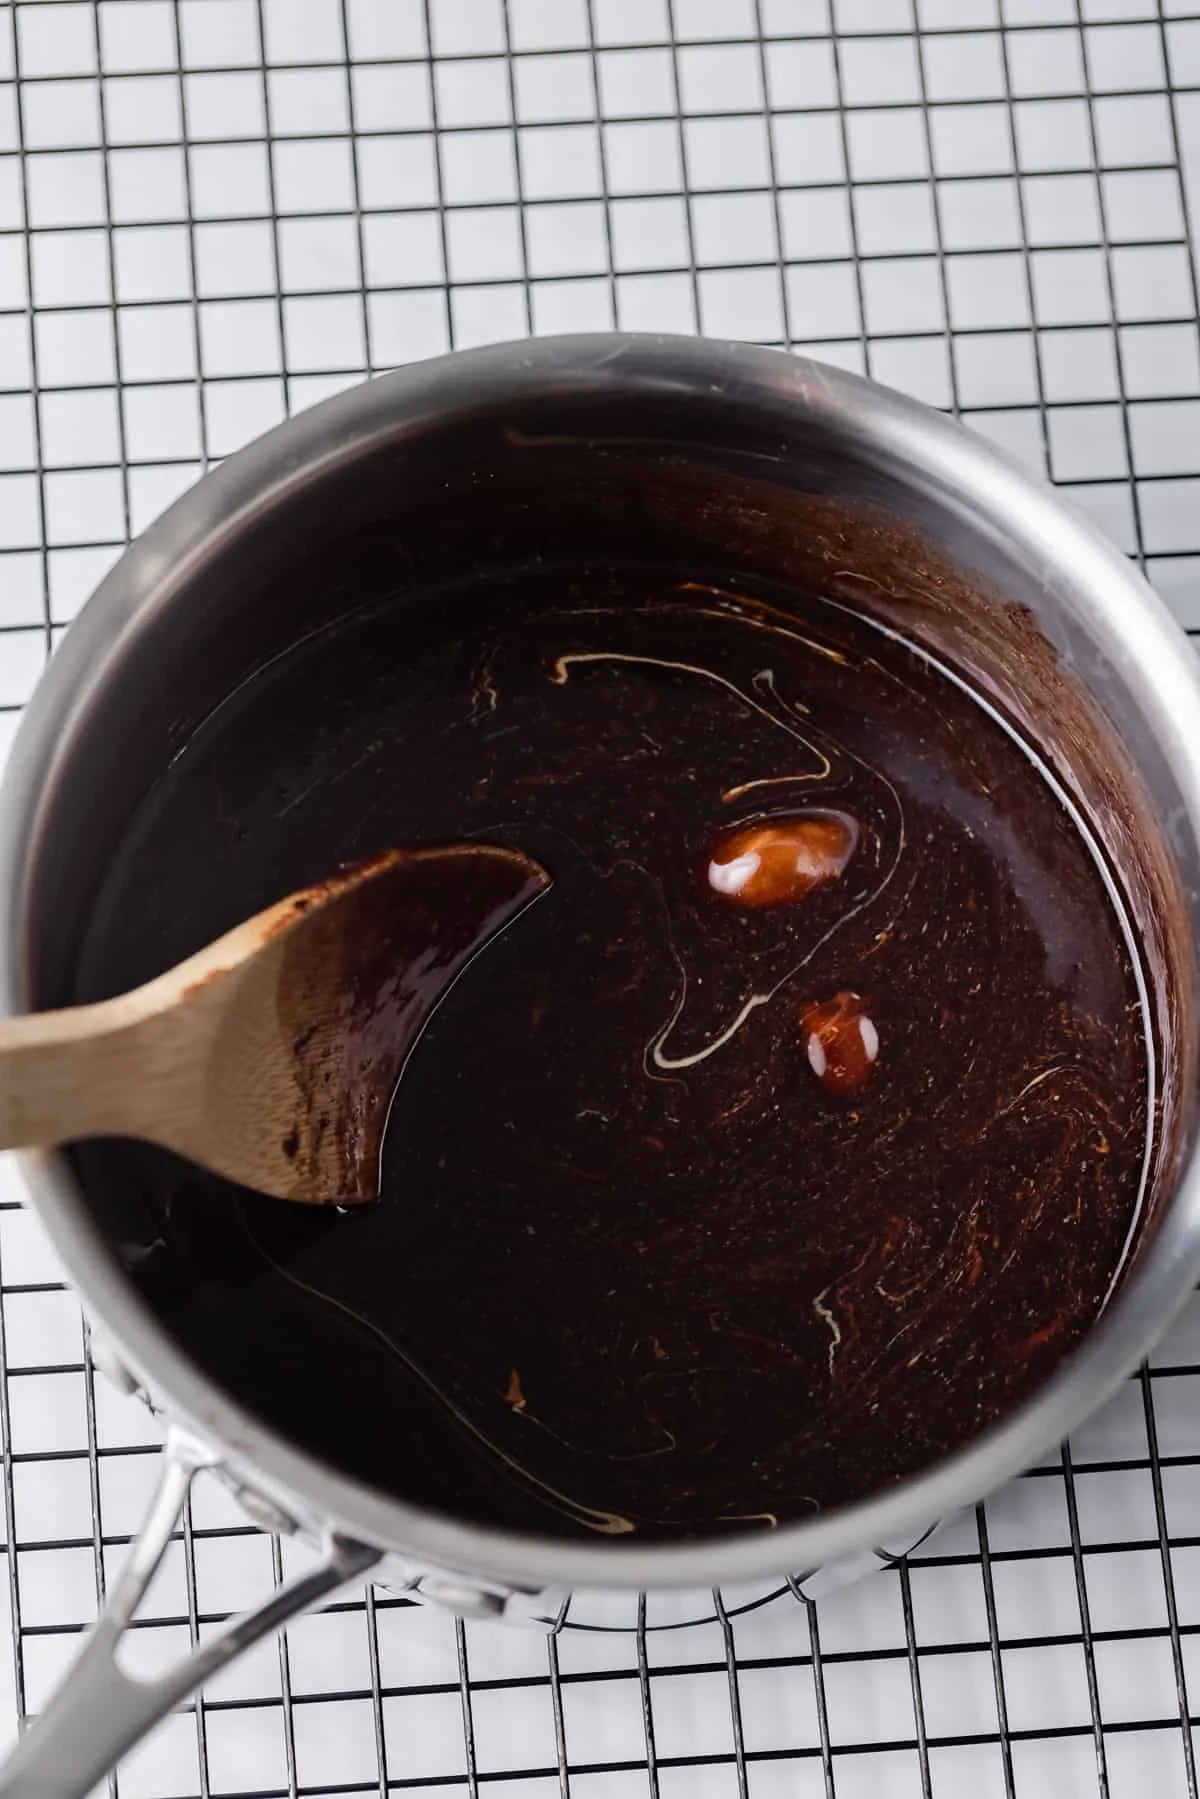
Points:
(271, 1056)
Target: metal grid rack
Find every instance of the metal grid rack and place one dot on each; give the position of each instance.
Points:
(213, 212)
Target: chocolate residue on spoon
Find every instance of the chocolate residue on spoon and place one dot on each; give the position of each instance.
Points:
(366, 976)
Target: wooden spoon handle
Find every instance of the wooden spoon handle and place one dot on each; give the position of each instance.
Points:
(74, 1073)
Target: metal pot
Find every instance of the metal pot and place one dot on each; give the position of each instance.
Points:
(783, 466)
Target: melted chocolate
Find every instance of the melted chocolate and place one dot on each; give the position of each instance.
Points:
(635, 1267)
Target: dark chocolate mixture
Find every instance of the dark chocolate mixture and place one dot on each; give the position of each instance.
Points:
(794, 1133)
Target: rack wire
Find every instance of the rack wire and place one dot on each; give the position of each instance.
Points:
(215, 212)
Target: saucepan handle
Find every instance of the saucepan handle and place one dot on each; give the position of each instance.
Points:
(100, 1712)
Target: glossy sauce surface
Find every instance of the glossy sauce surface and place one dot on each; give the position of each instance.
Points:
(706, 1203)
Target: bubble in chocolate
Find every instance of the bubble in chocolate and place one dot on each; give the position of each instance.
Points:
(840, 1043)
(782, 859)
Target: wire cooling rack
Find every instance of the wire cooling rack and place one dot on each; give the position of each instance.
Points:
(214, 212)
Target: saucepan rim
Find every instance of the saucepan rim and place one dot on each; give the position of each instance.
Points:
(963, 475)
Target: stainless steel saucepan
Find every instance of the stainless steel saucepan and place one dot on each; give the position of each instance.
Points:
(781, 467)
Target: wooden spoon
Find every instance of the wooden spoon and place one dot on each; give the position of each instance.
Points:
(272, 1056)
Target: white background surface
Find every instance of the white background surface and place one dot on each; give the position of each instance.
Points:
(222, 211)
